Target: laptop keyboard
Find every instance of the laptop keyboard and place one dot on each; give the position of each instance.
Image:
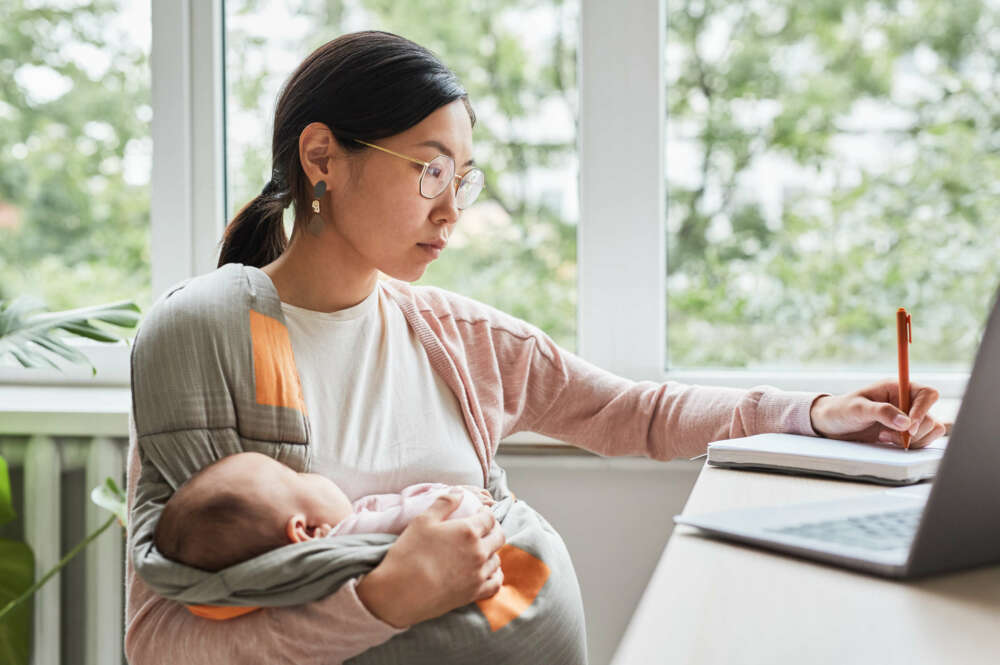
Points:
(877, 531)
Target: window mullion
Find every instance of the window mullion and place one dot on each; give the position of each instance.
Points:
(187, 210)
(621, 254)
(208, 124)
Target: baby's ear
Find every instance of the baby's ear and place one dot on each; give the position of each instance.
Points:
(297, 529)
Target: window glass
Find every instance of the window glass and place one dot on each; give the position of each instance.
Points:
(827, 163)
(75, 152)
(515, 248)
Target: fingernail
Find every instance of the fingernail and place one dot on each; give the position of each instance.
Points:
(884, 436)
(901, 421)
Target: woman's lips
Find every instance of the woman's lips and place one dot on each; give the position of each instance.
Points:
(430, 249)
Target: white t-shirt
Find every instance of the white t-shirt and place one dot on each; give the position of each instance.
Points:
(381, 418)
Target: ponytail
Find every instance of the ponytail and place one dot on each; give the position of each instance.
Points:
(256, 235)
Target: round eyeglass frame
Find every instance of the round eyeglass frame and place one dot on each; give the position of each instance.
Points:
(472, 180)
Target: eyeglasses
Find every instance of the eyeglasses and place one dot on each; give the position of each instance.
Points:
(438, 173)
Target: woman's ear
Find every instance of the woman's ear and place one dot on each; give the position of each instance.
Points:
(318, 150)
(297, 529)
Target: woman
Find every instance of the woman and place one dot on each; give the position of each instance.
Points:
(372, 145)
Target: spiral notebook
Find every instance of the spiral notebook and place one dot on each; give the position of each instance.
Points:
(792, 453)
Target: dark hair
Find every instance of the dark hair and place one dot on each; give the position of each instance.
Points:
(212, 529)
(362, 85)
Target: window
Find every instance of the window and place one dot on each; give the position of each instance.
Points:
(515, 248)
(826, 164)
(75, 153)
(791, 240)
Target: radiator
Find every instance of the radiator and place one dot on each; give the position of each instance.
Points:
(78, 614)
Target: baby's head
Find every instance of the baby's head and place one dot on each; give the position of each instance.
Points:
(242, 506)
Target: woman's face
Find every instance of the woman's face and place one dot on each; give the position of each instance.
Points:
(381, 213)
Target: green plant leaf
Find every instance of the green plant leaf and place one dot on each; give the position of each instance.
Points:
(111, 498)
(122, 320)
(6, 505)
(11, 314)
(29, 358)
(113, 486)
(60, 348)
(23, 331)
(17, 573)
(89, 331)
(125, 310)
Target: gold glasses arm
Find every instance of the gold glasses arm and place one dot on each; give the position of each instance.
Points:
(410, 159)
(377, 147)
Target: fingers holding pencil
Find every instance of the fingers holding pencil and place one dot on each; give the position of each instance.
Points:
(923, 428)
(869, 415)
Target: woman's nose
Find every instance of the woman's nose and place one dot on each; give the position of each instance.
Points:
(446, 206)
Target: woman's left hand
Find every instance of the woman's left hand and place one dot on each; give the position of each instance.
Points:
(872, 414)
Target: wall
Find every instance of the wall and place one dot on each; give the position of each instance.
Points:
(615, 515)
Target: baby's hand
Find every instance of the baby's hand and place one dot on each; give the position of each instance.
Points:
(483, 494)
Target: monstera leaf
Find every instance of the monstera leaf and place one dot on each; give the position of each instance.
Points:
(26, 329)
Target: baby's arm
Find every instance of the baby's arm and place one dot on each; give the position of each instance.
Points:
(391, 513)
(382, 502)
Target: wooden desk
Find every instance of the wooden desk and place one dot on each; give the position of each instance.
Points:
(713, 602)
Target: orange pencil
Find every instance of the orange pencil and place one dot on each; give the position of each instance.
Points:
(904, 334)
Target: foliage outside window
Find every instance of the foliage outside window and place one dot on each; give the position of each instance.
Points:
(827, 162)
(75, 152)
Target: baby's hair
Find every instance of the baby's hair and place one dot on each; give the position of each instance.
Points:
(212, 529)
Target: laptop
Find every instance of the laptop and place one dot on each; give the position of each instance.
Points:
(949, 524)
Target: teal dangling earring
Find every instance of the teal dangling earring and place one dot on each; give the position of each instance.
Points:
(317, 222)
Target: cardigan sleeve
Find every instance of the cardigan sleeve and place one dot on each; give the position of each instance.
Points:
(554, 392)
(160, 631)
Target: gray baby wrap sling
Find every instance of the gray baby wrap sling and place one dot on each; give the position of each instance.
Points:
(213, 375)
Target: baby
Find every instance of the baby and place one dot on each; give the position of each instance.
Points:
(246, 504)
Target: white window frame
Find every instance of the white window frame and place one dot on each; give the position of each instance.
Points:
(187, 197)
(621, 241)
(188, 182)
(621, 316)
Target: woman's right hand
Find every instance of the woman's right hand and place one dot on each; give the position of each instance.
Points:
(436, 565)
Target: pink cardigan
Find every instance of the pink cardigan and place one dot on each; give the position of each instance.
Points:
(508, 376)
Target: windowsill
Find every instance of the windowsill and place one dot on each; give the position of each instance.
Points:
(951, 385)
(64, 410)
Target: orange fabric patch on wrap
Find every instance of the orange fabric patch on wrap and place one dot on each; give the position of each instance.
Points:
(275, 376)
(523, 578)
(219, 612)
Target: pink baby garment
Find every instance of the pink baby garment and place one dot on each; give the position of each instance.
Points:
(391, 513)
